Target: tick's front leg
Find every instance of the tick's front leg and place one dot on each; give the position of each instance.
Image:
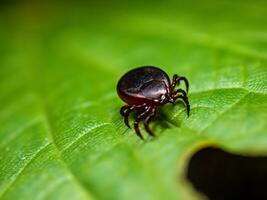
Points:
(180, 91)
(185, 101)
(176, 81)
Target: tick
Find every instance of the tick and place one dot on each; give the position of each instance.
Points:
(147, 88)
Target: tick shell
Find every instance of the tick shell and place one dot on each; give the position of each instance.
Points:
(143, 85)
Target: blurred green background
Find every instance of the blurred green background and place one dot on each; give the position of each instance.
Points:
(61, 135)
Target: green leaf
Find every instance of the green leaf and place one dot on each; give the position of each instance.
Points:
(61, 135)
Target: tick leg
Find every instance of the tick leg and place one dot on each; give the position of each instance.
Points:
(185, 101)
(123, 109)
(185, 81)
(127, 113)
(150, 115)
(136, 122)
(180, 91)
(126, 117)
(176, 80)
(126, 110)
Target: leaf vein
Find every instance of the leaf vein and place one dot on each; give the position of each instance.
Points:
(20, 171)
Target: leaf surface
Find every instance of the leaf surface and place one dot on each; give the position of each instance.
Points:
(61, 135)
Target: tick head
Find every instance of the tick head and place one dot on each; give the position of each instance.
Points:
(166, 99)
(171, 100)
(162, 99)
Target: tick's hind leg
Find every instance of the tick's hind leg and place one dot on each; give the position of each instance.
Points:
(150, 115)
(126, 110)
(176, 81)
(127, 113)
(137, 120)
(185, 101)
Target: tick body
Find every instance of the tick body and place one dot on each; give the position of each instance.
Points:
(145, 89)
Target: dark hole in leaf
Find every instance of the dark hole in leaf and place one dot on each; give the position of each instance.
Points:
(225, 176)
